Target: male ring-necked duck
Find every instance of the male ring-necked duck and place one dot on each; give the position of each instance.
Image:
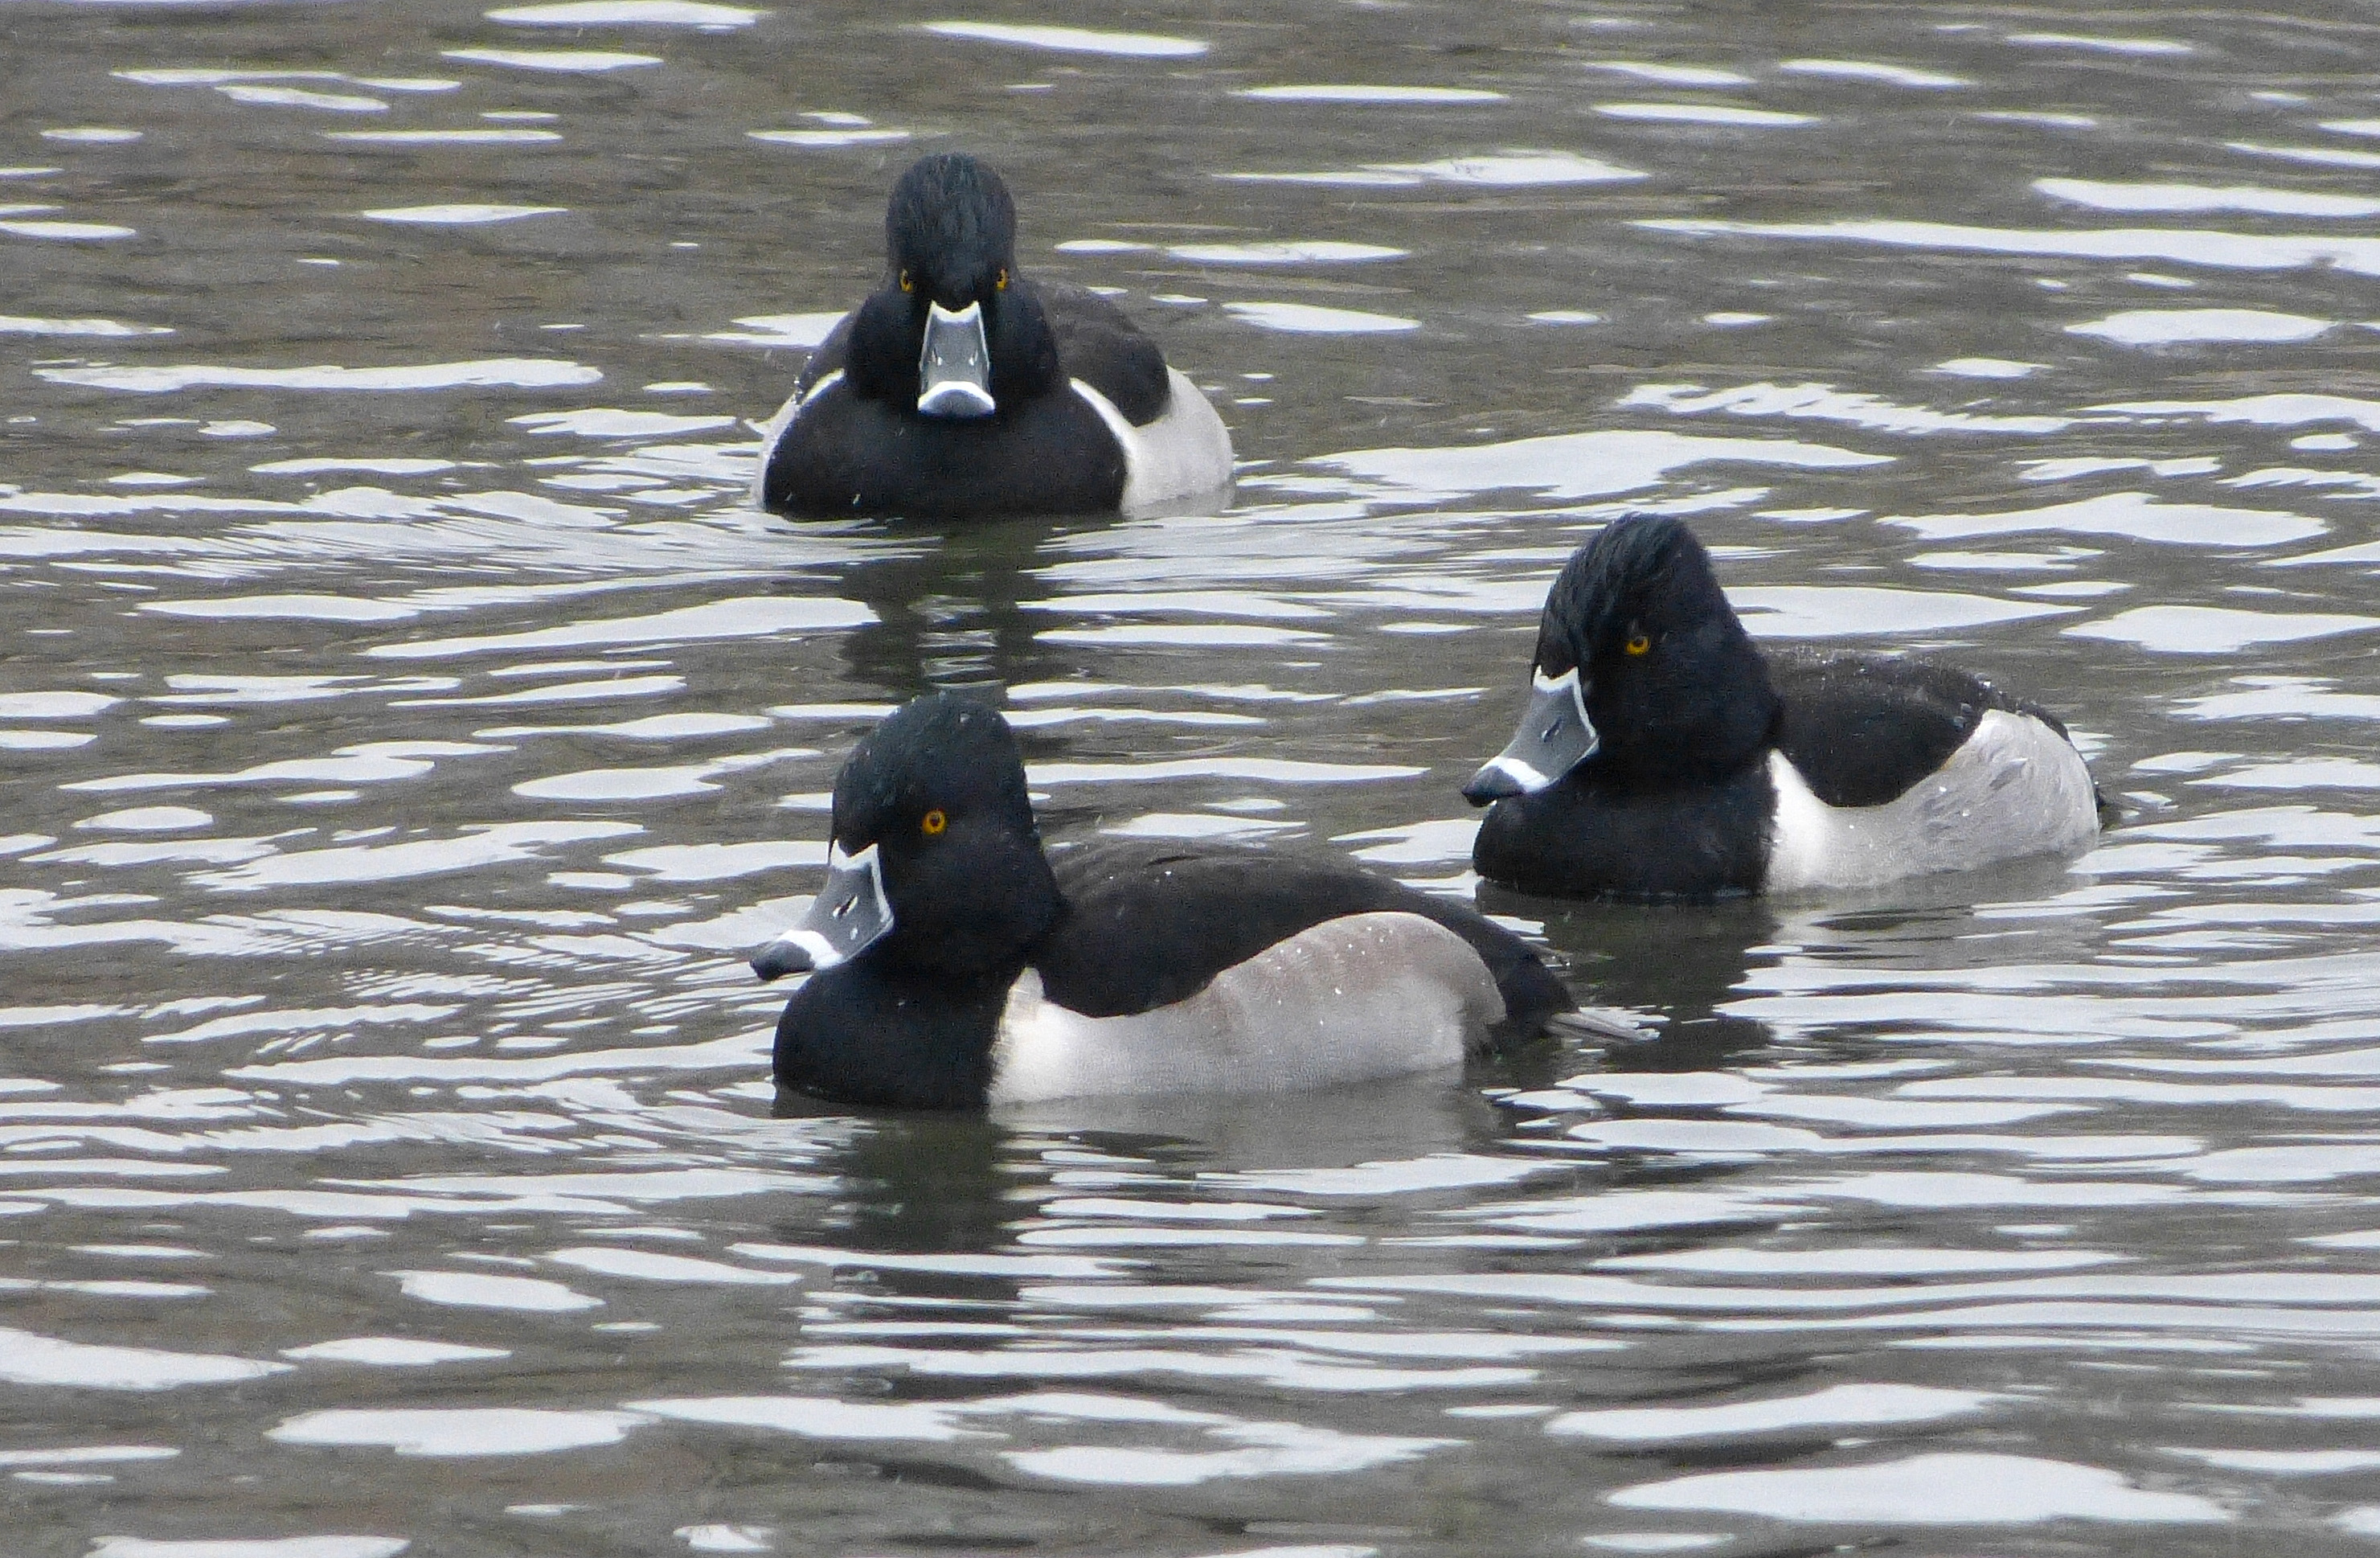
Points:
(1664, 756)
(962, 390)
(957, 965)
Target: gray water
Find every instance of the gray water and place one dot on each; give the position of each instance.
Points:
(408, 727)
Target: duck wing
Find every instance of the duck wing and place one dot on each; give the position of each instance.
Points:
(1863, 729)
(1150, 923)
(828, 356)
(1098, 344)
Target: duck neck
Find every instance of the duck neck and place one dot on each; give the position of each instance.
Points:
(873, 1034)
(890, 333)
(984, 926)
(1710, 727)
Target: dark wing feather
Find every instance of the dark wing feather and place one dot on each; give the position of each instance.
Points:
(1099, 344)
(1147, 924)
(828, 356)
(1864, 728)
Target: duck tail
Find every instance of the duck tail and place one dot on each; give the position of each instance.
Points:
(1533, 997)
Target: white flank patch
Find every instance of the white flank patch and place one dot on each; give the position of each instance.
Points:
(771, 435)
(2015, 788)
(1184, 454)
(1362, 996)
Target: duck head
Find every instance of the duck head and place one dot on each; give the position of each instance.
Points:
(934, 864)
(1642, 671)
(951, 333)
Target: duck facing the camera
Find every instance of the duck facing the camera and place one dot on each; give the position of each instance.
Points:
(954, 963)
(1663, 755)
(961, 389)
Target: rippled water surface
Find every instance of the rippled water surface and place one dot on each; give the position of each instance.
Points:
(406, 727)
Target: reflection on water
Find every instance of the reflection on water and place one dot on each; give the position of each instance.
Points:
(409, 728)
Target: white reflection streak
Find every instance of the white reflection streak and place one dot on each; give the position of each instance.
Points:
(2360, 256)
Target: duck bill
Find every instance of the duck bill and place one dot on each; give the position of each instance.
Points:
(954, 369)
(1555, 737)
(847, 918)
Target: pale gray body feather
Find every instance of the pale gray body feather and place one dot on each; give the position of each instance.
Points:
(2015, 787)
(1362, 996)
(1181, 456)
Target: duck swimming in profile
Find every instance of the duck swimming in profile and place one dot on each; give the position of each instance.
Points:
(1664, 756)
(962, 390)
(956, 964)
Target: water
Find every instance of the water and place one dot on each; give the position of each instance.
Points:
(407, 729)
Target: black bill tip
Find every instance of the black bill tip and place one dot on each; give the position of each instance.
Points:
(1490, 784)
(780, 958)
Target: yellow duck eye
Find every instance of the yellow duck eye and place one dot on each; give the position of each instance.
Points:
(908, 282)
(1639, 644)
(934, 822)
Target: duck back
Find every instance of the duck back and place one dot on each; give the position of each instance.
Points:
(1864, 728)
(1099, 344)
(1147, 924)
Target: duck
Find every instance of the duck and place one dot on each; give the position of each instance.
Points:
(1664, 756)
(955, 963)
(963, 389)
